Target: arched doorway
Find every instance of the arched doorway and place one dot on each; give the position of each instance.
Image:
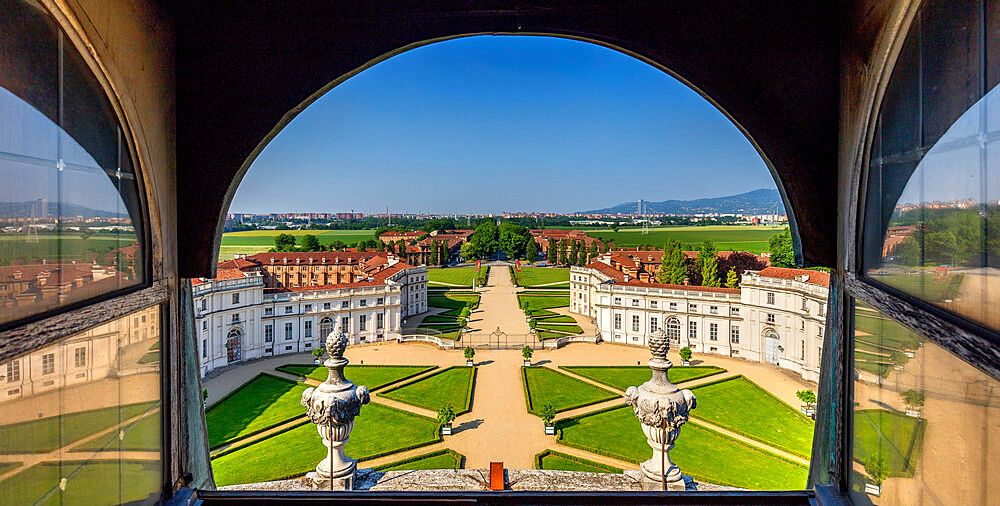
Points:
(772, 346)
(674, 330)
(326, 327)
(234, 352)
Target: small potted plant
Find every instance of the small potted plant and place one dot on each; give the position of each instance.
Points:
(204, 398)
(446, 415)
(317, 355)
(470, 353)
(548, 413)
(809, 398)
(877, 470)
(685, 355)
(914, 400)
(526, 352)
(533, 325)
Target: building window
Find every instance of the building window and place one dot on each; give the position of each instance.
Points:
(288, 331)
(204, 306)
(236, 298)
(308, 328)
(268, 333)
(326, 306)
(635, 323)
(653, 324)
(770, 317)
(770, 298)
(345, 304)
(379, 321)
(822, 309)
(325, 327)
(268, 311)
(13, 371)
(734, 335)
(713, 331)
(308, 307)
(288, 309)
(363, 323)
(345, 324)
(204, 325)
(693, 330)
(653, 304)
(635, 302)
(204, 348)
(692, 307)
(618, 301)
(805, 304)
(713, 309)
(236, 318)
(802, 354)
(48, 363)
(734, 310)
(673, 306)
(363, 302)
(80, 357)
(618, 322)
(674, 329)
(380, 301)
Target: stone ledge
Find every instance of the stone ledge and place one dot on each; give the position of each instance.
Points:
(475, 480)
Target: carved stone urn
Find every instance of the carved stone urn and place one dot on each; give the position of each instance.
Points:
(332, 406)
(662, 408)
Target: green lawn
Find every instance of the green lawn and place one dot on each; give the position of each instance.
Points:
(453, 301)
(557, 461)
(142, 435)
(569, 329)
(533, 302)
(256, 241)
(48, 434)
(149, 358)
(441, 459)
(534, 276)
(97, 482)
(895, 436)
(743, 407)
(379, 430)
(925, 285)
(555, 319)
(622, 377)
(543, 385)
(885, 332)
(52, 247)
(448, 322)
(371, 376)
(452, 385)
(452, 275)
(262, 402)
(700, 453)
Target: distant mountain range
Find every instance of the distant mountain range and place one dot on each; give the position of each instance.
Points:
(761, 201)
(44, 208)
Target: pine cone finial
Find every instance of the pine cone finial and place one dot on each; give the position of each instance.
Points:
(659, 344)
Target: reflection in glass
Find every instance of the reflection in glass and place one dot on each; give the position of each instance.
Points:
(925, 422)
(68, 192)
(942, 242)
(80, 419)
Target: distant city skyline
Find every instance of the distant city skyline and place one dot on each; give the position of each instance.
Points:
(494, 124)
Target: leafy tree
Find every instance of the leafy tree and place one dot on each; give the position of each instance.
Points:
(615, 228)
(446, 414)
(606, 245)
(284, 242)
(310, 243)
(548, 413)
(806, 396)
(469, 251)
(485, 237)
(553, 248)
(708, 257)
(877, 468)
(562, 252)
(513, 239)
(913, 398)
(574, 251)
(435, 251)
(685, 354)
(318, 352)
(531, 251)
(444, 255)
(581, 254)
(673, 268)
(526, 352)
(732, 280)
(470, 352)
(740, 261)
(782, 253)
(593, 252)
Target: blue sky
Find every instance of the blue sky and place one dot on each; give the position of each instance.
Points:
(502, 123)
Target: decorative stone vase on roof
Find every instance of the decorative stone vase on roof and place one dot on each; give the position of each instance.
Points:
(662, 408)
(333, 406)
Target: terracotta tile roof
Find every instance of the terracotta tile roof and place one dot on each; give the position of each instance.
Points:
(814, 277)
(222, 274)
(237, 263)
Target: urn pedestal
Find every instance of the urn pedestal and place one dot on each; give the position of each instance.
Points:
(333, 406)
(662, 408)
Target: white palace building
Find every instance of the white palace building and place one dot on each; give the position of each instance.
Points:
(776, 316)
(277, 303)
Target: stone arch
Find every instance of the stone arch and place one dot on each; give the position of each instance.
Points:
(326, 326)
(234, 345)
(673, 329)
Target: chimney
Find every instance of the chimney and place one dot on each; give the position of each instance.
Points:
(687, 281)
(626, 278)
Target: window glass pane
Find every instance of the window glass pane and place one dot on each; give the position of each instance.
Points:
(933, 206)
(68, 192)
(80, 418)
(925, 421)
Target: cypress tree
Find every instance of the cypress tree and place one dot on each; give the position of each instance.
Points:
(676, 263)
(444, 255)
(552, 249)
(562, 252)
(574, 251)
(581, 254)
(434, 253)
(709, 260)
(732, 280)
(593, 252)
(531, 252)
